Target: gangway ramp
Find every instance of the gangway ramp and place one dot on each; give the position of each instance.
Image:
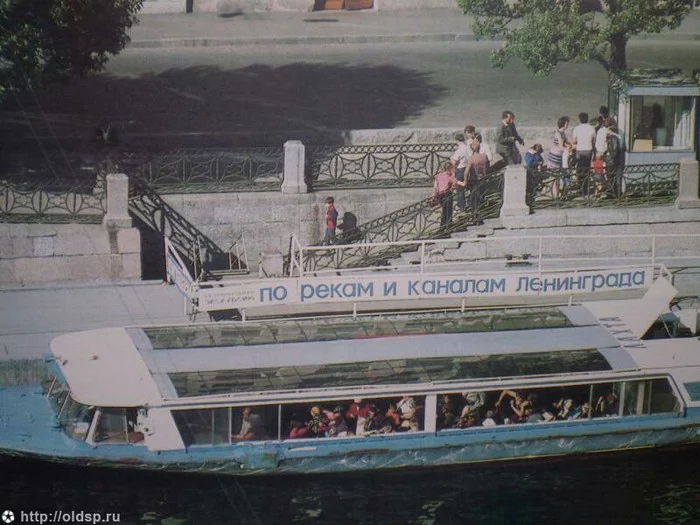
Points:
(504, 279)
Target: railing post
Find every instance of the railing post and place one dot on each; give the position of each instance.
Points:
(514, 194)
(294, 162)
(117, 215)
(688, 182)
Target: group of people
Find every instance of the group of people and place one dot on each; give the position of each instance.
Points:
(359, 418)
(593, 148)
(512, 407)
(454, 411)
(467, 166)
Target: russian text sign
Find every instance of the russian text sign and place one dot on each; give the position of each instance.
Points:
(315, 290)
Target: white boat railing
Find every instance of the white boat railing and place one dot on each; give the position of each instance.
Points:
(537, 252)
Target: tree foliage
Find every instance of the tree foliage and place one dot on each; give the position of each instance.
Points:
(543, 33)
(45, 40)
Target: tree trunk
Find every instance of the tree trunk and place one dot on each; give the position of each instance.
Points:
(618, 51)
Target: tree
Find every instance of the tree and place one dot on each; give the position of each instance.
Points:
(46, 40)
(543, 33)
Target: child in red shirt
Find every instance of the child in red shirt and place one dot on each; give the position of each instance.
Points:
(331, 220)
(598, 167)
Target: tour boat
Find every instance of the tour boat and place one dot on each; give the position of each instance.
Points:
(330, 395)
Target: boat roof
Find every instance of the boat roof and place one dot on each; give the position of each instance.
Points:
(139, 366)
(131, 371)
(103, 367)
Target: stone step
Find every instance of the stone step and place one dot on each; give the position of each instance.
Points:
(605, 247)
(609, 229)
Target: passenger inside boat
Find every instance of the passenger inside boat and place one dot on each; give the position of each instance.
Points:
(297, 430)
(474, 402)
(336, 418)
(407, 411)
(520, 407)
(447, 412)
(607, 405)
(337, 426)
(251, 426)
(376, 422)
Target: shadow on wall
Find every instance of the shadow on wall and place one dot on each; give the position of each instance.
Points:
(206, 106)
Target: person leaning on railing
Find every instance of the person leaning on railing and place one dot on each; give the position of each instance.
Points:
(445, 182)
(534, 165)
(613, 159)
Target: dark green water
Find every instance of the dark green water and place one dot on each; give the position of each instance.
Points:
(630, 488)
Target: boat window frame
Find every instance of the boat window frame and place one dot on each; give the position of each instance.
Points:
(64, 423)
(646, 381)
(98, 416)
(212, 426)
(55, 405)
(430, 426)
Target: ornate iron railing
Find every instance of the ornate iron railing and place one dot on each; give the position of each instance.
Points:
(632, 185)
(375, 165)
(420, 220)
(208, 171)
(148, 207)
(52, 201)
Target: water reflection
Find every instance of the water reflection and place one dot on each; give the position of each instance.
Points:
(634, 488)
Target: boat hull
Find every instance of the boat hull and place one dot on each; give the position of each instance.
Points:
(28, 431)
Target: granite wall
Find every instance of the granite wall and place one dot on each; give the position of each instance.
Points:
(47, 253)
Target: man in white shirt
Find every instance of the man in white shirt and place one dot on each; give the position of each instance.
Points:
(584, 137)
(584, 140)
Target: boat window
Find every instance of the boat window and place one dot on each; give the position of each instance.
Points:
(386, 372)
(111, 426)
(207, 426)
(254, 423)
(502, 407)
(544, 404)
(606, 399)
(58, 395)
(75, 419)
(353, 417)
(47, 384)
(662, 397)
(174, 337)
(635, 400)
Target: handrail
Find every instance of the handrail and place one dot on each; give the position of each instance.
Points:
(538, 257)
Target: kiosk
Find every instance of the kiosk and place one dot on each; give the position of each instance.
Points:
(657, 114)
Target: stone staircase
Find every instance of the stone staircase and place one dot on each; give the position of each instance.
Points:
(580, 244)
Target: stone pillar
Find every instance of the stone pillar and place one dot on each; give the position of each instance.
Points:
(688, 184)
(294, 164)
(514, 187)
(117, 215)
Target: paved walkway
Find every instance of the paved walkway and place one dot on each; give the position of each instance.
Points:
(326, 27)
(31, 317)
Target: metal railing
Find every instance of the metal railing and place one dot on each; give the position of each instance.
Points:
(376, 165)
(52, 201)
(147, 206)
(631, 185)
(526, 253)
(420, 220)
(208, 171)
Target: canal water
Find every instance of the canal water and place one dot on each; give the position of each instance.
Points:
(626, 488)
